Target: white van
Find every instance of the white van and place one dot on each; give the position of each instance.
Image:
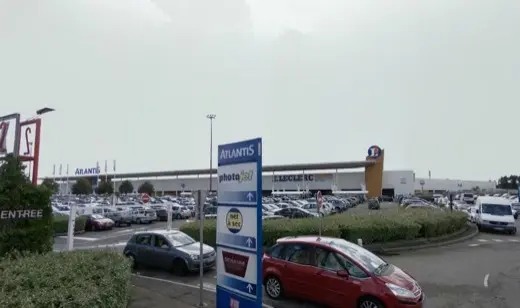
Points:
(495, 213)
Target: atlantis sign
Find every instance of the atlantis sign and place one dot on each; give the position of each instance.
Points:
(87, 171)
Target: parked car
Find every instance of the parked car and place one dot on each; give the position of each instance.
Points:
(120, 218)
(161, 211)
(516, 209)
(336, 273)
(141, 215)
(181, 212)
(373, 204)
(294, 212)
(97, 222)
(170, 250)
(210, 212)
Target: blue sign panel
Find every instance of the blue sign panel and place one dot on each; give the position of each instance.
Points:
(239, 225)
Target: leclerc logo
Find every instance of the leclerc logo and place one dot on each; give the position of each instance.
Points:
(237, 152)
(243, 176)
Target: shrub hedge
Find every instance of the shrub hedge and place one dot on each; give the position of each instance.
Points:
(381, 227)
(61, 224)
(18, 193)
(78, 279)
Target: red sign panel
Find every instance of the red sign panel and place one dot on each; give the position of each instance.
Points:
(145, 198)
(235, 264)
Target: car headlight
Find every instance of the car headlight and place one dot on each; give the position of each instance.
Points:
(194, 257)
(400, 292)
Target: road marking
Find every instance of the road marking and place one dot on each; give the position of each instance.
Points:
(473, 245)
(82, 238)
(513, 240)
(125, 231)
(497, 240)
(486, 278)
(186, 285)
(208, 286)
(482, 240)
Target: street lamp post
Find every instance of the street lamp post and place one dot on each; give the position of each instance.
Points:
(211, 117)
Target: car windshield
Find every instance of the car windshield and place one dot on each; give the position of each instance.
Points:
(468, 196)
(368, 260)
(96, 216)
(496, 209)
(180, 239)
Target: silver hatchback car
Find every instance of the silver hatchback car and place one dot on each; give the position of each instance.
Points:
(170, 250)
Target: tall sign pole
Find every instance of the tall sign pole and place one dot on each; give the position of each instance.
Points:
(114, 183)
(319, 203)
(67, 183)
(239, 225)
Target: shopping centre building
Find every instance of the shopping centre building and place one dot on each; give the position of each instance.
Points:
(364, 175)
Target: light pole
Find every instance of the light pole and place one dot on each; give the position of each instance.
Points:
(211, 117)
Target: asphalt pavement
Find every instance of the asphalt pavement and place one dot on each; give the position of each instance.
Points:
(115, 238)
(482, 272)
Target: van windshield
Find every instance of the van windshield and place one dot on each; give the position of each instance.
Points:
(496, 209)
(468, 195)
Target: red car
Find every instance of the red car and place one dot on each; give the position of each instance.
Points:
(98, 222)
(336, 273)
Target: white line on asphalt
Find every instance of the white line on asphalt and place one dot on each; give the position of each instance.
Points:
(125, 231)
(82, 238)
(497, 240)
(482, 240)
(486, 278)
(208, 286)
(513, 240)
(186, 285)
(473, 245)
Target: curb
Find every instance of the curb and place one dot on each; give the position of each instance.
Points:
(460, 236)
(65, 233)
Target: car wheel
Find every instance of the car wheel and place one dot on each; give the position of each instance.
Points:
(273, 287)
(370, 302)
(138, 221)
(178, 216)
(94, 228)
(179, 267)
(513, 232)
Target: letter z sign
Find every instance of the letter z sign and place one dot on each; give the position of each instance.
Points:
(4, 129)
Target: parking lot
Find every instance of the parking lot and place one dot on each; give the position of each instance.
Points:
(482, 272)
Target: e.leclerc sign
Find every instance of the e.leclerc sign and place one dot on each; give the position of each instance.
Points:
(239, 225)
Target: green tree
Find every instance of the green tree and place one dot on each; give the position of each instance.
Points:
(18, 193)
(51, 185)
(146, 188)
(508, 182)
(104, 188)
(82, 187)
(126, 187)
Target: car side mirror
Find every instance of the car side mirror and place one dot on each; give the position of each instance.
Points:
(343, 274)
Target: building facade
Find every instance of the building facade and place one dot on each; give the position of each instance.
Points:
(394, 182)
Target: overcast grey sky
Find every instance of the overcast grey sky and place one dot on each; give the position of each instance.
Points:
(434, 83)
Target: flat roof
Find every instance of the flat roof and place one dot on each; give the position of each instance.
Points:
(273, 168)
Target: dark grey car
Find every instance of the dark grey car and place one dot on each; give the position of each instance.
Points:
(170, 250)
